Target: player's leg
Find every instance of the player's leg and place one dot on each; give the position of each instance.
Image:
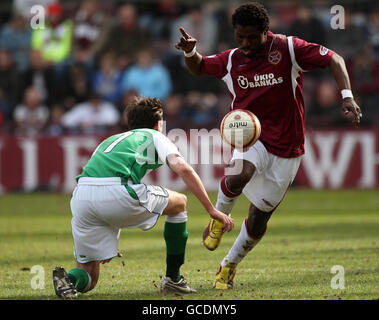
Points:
(244, 166)
(230, 188)
(85, 276)
(82, 278)
(265, 192)
(256, 223)
(252, 231)
(177, 202)
(175, 235)
(95, 241)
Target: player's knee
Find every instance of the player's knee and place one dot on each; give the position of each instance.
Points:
(237, 182)
(244, 178)
(247, 173)
(182, 203)
(177, 203)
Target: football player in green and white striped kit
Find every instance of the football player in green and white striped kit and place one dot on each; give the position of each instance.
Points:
(109, 196)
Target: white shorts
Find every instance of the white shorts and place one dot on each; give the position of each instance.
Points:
(271, 179)
(102, 206)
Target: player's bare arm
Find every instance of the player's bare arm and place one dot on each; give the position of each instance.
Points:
(192, 58)
(194, 184)
(349, 107)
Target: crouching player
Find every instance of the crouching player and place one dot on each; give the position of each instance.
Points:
(109, 196)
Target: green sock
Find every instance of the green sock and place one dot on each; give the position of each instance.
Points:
(80, 278)
(175, 235)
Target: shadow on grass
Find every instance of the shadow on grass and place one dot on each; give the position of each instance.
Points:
(27, 261)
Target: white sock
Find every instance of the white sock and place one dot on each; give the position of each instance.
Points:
(240, 248)
(178, 218)
(224, 203)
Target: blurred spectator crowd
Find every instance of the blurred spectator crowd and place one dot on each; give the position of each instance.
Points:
(75, 75)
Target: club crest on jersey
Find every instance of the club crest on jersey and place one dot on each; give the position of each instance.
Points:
(260, 80)
(323, 50)
(274, 57)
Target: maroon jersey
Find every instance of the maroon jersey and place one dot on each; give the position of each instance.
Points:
(270, 85)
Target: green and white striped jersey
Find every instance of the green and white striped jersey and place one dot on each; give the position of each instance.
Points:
(129, 155)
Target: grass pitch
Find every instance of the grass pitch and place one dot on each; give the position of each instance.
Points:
(310, 232)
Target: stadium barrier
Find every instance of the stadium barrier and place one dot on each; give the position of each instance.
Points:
(334, 159)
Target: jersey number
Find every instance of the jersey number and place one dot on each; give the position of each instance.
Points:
(114, 143)
(117, 141)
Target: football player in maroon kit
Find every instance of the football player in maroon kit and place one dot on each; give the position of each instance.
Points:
(264, 74)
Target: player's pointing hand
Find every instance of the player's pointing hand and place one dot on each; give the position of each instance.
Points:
(186, 42)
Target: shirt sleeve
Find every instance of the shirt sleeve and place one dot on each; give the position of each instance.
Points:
(309, 55)
(164, 146)
(215, 65)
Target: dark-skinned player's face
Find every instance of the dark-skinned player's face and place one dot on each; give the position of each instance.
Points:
(250, 40)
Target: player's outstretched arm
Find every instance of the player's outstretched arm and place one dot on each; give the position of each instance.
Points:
(194, 184)
(192, 57)
(349, 107)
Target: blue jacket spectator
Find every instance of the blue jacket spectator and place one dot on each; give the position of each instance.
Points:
(107, 80)
(15, 36)
(148, 78)
(9, 84)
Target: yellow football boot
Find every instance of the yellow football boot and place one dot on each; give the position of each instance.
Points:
(224, 278)
(212, 234)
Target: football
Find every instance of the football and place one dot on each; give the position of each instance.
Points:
(240, 128)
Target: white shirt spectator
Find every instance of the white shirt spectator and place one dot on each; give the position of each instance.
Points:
(91, 117)
(30, 121)
(31, 116)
